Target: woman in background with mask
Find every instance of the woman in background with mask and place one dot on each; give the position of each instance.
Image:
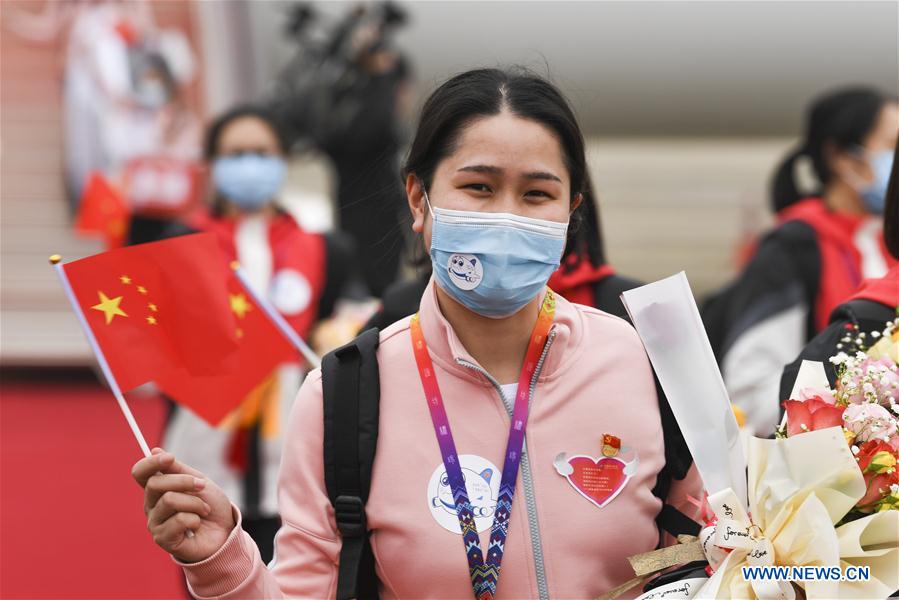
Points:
(824, 246)
(494, 174)
(299, 272)
(868, 309)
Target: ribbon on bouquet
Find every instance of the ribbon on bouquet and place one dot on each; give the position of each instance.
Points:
(735, 531)
(799, 488)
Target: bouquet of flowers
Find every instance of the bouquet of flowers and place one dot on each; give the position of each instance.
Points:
(865, 403)
(819, 495)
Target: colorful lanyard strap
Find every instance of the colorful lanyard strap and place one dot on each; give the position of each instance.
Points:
(484, 575)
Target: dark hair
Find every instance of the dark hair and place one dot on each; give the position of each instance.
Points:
(486, 92)
(143, 62)
(214, 133)
(838, 120)
(891, 210)
(585, 233)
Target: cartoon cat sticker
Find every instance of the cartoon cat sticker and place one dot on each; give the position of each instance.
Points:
(466, 271)
(481, 481)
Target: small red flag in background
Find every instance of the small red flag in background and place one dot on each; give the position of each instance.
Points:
(103, 210)
(174, 313)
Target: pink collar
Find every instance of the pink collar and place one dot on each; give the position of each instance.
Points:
(447, 350)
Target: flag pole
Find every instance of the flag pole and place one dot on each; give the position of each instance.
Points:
(56, 261)
(277, 319)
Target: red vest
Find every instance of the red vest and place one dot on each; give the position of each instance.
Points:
(578, 285)
(841, 261)
(884, 290)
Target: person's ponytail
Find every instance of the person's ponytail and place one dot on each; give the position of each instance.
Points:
(839, 120)
(784, 190)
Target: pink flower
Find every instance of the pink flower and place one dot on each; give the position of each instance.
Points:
(869, 421)
(894, 442)
(811, 415)
(821, 393)
(872, 380)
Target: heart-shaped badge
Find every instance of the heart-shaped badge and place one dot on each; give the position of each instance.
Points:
(599, 480)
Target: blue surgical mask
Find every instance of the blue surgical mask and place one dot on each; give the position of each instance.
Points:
(493, 263)
(875, 193)
(250, 181)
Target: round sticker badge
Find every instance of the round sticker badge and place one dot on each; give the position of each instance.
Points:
(482, 482)
(465, 270)
(290, 292)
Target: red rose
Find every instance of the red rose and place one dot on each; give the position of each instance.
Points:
(867, 451)
(875, 482)
(811, 415)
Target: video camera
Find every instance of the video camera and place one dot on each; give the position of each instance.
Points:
(320, 91)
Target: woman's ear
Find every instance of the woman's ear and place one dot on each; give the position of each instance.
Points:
(576, 202)
(416, 198)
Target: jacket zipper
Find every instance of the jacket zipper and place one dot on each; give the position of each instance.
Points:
(526, 477)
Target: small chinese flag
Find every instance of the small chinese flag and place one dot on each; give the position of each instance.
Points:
(103, 210)
(169, 312)
(261, 348)
(154, 307)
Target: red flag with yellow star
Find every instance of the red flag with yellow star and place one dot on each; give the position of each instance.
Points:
(261, 348)
(157, 306)
(102, 210)
(173, 312)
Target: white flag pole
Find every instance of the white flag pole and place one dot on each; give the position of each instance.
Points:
(55, 260)
(276, 318)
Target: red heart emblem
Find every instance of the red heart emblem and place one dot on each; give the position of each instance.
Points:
(597, 480)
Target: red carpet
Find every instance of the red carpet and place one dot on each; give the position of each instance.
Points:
(71, 517)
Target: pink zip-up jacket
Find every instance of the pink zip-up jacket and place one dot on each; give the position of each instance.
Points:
(595, 379)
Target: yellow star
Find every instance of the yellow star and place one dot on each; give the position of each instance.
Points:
(125, 279)
(109, 307)
(151, 320)
(152, 307)
(141, 289)
(239, 305)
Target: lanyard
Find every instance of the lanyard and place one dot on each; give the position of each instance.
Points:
(484, 575)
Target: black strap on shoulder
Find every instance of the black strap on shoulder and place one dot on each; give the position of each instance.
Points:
(675, 522)
(351, 391)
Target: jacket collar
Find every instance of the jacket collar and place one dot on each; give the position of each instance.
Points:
(447, 350)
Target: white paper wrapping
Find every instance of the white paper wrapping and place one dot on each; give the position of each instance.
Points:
(665, 316)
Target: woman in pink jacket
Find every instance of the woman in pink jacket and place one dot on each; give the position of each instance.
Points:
(462, 503)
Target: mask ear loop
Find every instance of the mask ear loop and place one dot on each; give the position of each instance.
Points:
(424, 192)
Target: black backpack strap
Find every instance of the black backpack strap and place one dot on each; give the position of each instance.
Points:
(351, 391)
(675, 522)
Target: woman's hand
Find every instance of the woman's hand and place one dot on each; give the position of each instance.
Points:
(189, 516)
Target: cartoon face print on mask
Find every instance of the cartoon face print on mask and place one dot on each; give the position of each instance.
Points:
(482, 482)
(465, 271)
